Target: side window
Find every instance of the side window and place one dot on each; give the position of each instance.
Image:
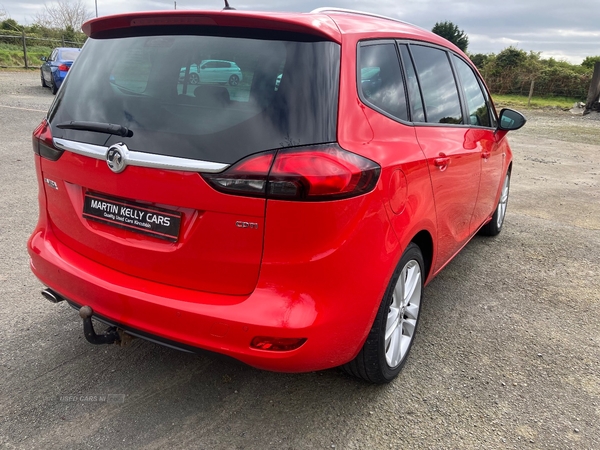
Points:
(442, 104)
(479, 113)
(380, 79)
(54, 55)
(414, 95)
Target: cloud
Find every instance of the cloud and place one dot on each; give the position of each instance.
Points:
(553, 27)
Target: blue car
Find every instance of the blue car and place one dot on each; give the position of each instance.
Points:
(55, 67)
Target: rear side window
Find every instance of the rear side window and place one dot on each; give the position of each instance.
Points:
(207, 97)
(414, 95)
(477, 106)
(381, 82)
(442, 104)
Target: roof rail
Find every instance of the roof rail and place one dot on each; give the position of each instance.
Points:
(353, 11)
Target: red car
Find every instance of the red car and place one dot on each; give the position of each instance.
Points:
(290, 221)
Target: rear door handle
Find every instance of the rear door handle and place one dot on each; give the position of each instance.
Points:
(441, 163)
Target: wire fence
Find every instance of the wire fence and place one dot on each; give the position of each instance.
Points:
(38, 46)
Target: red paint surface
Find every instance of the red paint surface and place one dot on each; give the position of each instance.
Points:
(310, 270)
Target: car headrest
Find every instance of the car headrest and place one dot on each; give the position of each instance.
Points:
(207, 95)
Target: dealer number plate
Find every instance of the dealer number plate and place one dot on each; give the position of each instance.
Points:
(137, 217)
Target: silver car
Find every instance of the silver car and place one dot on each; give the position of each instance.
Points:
(213, 71)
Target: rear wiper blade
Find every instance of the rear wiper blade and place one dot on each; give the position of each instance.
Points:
(100, 127)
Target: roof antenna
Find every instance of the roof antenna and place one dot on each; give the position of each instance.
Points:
(227, 7)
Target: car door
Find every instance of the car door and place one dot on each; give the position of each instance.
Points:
(207, 72)
(482, 137)
(223, 71)
(203, 72)
(454, 164)
(47, 66)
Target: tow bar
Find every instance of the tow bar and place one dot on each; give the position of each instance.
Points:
(112, 335)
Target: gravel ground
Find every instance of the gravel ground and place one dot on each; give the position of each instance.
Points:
(507, 355)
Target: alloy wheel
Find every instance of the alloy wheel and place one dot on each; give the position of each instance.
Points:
(403, 314)
(503, 202)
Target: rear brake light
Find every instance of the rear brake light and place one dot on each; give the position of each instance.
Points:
(63, 68)
(310, 174)
(43, 144)
(247, 177)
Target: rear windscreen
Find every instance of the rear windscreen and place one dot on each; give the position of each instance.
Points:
(69, 55)
(215, 98)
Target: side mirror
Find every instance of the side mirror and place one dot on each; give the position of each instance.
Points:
(43, 58)
(511, 120)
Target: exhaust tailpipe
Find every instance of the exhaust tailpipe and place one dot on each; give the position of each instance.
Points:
(51, 296)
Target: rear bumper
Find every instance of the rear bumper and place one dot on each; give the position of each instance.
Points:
(59, 77)
(176, 317)
(225, 324)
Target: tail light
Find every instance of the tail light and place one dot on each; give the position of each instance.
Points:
(63, 68)
(42, 142)
(308, 174)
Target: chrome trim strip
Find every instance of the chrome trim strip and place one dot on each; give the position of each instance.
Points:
(93, 151)
(142, 159)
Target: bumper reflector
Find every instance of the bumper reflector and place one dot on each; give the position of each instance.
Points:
(276, 344)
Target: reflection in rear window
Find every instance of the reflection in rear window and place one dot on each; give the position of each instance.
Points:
(213, 98)
(69, 55)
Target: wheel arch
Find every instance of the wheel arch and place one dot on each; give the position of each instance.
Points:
(424, 241)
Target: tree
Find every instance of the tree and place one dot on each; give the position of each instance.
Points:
(511, 58)
(450, 31)
(11, 24)
(64, 14)
(480, 60)
(590, 61)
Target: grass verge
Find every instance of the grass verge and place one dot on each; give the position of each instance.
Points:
(520, 101)
(12, 55)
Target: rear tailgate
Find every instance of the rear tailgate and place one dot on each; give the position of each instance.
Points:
(162, 221)
(209, 252)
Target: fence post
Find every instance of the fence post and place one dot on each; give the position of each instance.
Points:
(530, 92)
(25, 51)
(594, 91)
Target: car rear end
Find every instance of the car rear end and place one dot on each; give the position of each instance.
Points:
(66, 58)
(226, 218)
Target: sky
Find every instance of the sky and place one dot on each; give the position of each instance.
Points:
(563, 29)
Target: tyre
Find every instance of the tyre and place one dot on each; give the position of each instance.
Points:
(234, 80)
(194, 78)
(53, 87)
(494, 226)
(387, 346)
(43, 81)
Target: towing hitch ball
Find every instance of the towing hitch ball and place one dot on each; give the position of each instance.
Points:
(112, 335)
